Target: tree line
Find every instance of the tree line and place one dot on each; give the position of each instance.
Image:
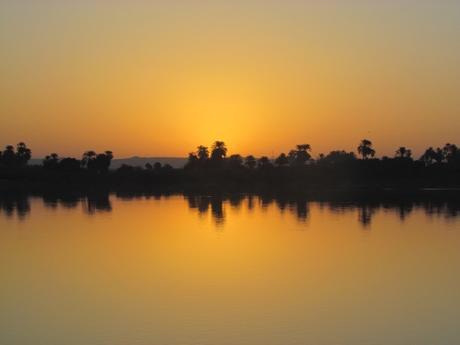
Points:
(301, 156)
(213, 166)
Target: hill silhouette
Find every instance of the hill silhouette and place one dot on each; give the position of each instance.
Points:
(135, 161)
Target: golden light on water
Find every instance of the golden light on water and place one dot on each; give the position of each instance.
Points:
(257, 276)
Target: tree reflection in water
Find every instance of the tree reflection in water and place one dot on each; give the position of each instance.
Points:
(18, 205)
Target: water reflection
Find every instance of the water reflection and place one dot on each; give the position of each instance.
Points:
(14, 205)
(18, 205)
(202, 204)
(97, 203)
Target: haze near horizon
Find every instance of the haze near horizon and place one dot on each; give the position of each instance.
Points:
(158, 79)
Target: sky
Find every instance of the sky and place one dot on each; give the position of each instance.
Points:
(158, 78)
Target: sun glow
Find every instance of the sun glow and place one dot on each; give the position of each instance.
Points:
(160, 79)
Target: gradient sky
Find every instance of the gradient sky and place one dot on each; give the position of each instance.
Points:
(160, 77)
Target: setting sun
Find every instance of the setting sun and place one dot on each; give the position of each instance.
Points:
(160, 78)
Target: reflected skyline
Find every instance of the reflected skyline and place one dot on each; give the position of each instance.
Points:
(228, 269)
(18, 206)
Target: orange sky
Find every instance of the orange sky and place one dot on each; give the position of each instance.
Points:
(160, 78)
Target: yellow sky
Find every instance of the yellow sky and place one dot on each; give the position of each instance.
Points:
(159, 78)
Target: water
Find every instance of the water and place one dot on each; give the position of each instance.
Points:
(238, 271)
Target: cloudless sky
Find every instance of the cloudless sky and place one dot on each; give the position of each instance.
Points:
(161, 77)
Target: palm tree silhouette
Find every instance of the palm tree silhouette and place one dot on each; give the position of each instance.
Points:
(51, 161)
(8, 156)
(365, 149)
(88, 159)
(428, 156)
(451, 153)
(219, 150)
(403, 152)
(300, 155)
(202, 153)
(23, 154)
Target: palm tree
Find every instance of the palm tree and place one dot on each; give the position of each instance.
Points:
(102, 161)
(451, 153)
(219, 150)
(109, 154)
(428, 156)
(439, 157)
(304, 147)
(431, 155)
(202, 153)
(291, 156)
(8, 156)
(88, 159)
(23, 154)
(192, 159)
(51, 161)
(300, 155)
(365, 149)
(403, 152)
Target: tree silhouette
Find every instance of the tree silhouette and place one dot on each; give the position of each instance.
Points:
(69, 165)
(439, 157)
(451, 153)
(192, 160)
(264, 162)
(97, 163)
(216, 170)
(51, 162)
(219, 150)
(8, 156)
(250, 162)
(300, 155)
(403, 152)
(202, 153)
(291, 156)
(282, 160)
(23, 154)
(338, 157)
(88, 160)
(428, 156)
(103, 161)
(365, 149)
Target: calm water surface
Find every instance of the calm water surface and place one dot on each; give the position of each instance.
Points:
(242, 271)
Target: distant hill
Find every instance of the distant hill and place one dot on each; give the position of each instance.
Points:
(175, 162)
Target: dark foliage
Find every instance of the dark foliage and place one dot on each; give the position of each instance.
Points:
(214, 170)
